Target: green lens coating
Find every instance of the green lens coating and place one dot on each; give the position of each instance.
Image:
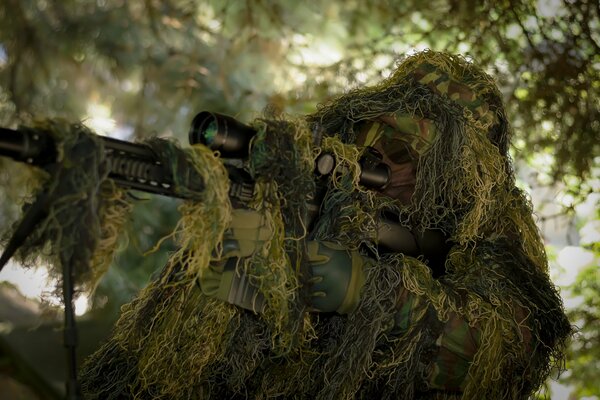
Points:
(210, 133)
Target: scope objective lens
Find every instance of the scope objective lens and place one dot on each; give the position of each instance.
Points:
(210, 133)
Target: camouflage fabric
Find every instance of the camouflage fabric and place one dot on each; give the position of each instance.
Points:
(456, 345)
(397, 131)
(440, 82)
(401, 139)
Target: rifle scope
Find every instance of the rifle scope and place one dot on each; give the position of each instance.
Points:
(232, 139)
(221, 133)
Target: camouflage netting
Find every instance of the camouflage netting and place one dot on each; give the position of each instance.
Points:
(173, 342)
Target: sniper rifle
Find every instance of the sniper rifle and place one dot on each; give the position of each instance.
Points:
(136, 166)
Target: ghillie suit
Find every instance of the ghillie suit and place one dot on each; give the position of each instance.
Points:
(489, 327)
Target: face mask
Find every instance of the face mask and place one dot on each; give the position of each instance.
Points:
(401, 139)
(400, 135)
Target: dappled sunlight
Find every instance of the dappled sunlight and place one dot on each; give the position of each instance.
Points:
(99, 119)
(315, 52)
(36, 284)
(33, 283)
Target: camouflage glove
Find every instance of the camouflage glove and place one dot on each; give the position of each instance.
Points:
(337, 277)
(246, 234)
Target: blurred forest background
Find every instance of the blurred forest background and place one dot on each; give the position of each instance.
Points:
(131, 69)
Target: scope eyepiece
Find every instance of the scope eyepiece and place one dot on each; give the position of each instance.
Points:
(374, 173)
(221, 133)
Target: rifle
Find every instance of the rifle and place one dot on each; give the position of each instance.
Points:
(136, 166)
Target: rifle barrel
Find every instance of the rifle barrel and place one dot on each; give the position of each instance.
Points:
(26, 146)
(132, 165)
(11, 142)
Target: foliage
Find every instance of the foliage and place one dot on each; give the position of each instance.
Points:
(155, 63)
(142, 68)
(584, 357)
(137, 261)
(584, 354)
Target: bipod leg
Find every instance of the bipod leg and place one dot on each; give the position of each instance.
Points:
(70, 331)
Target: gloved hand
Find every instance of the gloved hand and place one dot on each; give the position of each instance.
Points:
(246, 235)
(337, 277)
